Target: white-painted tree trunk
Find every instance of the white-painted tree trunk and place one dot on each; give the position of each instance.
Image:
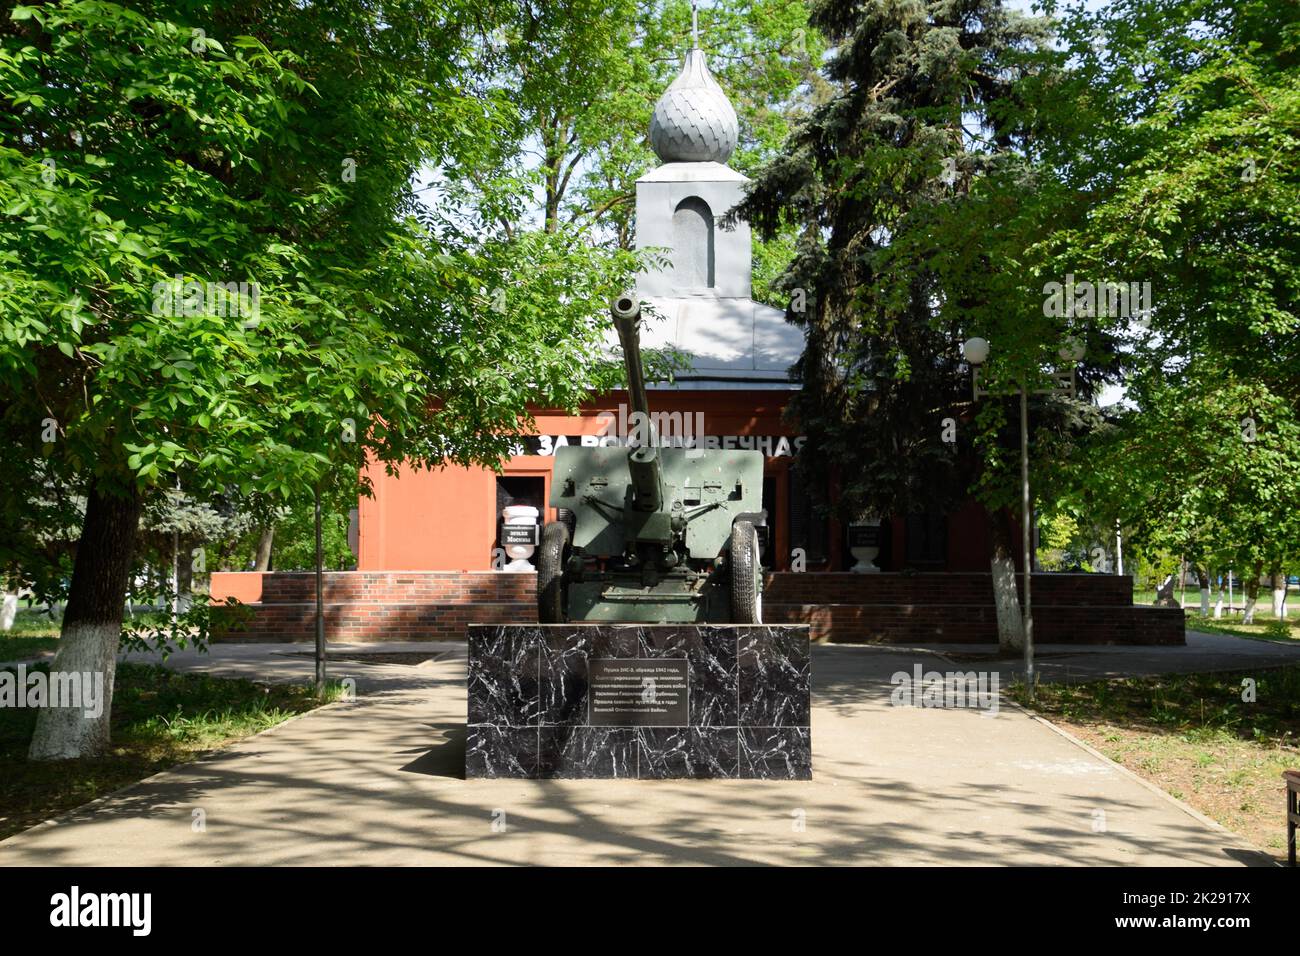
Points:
(176, 574)
(9, 613)
(66, 733)
(1251, 587)
(1006, 596)
(1218, 601)
(1006, 600)
(1203, 579)
(92, 627)
(1165, 593)
(1278, 580)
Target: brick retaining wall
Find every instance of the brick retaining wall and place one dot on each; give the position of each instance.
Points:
(378, 606)
(977, 623)
(842, 608)
(949, 588)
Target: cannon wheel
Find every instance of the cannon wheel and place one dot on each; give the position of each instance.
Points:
(746, 606)
(552, 554)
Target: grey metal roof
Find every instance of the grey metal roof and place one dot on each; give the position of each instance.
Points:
(736, 343)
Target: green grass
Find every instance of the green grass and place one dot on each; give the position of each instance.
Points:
(1193, 736)
(33, 632)
(29, 622)
(1260, 630)
(160, 718)
(1230, 623)
(22, 648)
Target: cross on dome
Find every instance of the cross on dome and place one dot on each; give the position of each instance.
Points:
(694, 122)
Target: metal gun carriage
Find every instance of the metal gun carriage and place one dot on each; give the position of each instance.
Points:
(651, 534)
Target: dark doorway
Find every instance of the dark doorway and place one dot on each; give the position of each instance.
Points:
(520, 490)
(927, 541)
(808, 529)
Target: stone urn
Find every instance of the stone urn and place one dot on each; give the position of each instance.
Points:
(519, 535)
(864, 544)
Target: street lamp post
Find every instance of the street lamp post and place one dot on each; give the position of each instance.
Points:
(976, 352)
(1026, 537)
(320, 603)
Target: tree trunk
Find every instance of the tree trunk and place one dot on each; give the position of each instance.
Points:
(1165, 593)
(174, 582)
(92, 625)
(262, 562)
(185, 579)
(1203, 579)
(9, 612)
(1251, 587)
(1278, 580)
(1006, 599)
(1218, 600)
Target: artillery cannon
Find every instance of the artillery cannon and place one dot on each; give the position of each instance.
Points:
(651, 534)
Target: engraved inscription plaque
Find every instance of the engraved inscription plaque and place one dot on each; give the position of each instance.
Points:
(640, 692)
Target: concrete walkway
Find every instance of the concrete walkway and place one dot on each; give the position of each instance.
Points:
(1079, 663)
(378, 781)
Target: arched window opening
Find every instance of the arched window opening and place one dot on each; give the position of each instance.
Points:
(693, 243)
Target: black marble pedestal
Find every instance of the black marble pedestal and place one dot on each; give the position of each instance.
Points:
(639, 701)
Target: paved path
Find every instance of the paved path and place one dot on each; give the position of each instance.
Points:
(378, 781)
(1078, 663)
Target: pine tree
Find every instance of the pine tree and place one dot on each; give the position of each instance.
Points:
(923, 106)
(899, 182)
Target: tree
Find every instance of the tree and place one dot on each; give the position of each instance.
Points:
(922, 209)
(181, 534)
(586, 76)
(1223, 495)
(1192, 172)
(155, 157)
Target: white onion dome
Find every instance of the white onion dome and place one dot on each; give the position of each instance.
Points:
(693, 121)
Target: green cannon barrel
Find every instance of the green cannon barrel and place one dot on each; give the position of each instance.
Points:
(643, 462)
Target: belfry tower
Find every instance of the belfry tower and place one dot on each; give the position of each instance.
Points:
(704, 293)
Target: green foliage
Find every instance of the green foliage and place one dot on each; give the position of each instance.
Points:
(585, 75)
(1064, 542)
(1192, 109)
(1223, 491)
(192, 627)
(1277, 627)
(1182, 131)
(905, 185)
(771, 258)
(214, 143)
(224, 163)
(963, 164)
(295, 536)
